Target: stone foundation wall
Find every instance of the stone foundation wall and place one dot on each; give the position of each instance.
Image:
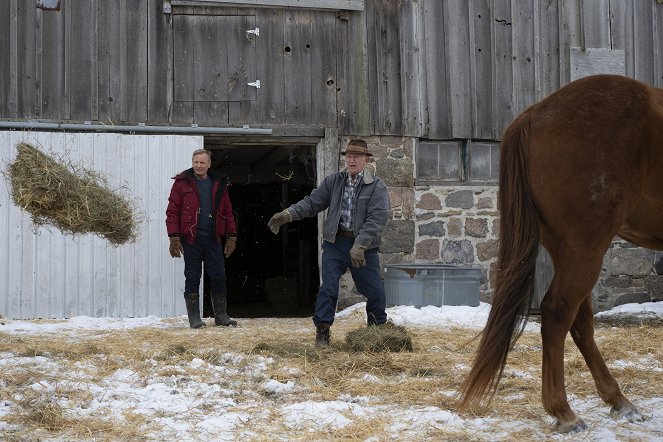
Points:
(629, 274)
(459, 224)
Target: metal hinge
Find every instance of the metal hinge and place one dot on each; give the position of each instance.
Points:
(255, 84)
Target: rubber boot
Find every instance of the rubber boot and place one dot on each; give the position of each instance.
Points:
(322, 335)
(193, 310)
(219, 303)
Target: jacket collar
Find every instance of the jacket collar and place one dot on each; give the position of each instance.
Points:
(368, 176)
(188, 175)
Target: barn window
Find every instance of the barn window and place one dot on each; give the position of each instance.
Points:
(464, 161)
(53, 5)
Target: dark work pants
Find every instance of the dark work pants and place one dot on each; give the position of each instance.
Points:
(208, 250)
(335, 261)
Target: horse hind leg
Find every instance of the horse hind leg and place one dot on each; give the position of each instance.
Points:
(607, 387)
(575, 275)
(554, 327)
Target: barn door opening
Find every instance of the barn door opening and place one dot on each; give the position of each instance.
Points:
(269, 275)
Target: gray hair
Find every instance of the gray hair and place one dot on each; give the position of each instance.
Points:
(203, 152)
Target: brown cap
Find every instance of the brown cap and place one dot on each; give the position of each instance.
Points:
(358, 147)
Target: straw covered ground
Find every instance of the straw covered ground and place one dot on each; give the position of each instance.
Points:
(265, 380)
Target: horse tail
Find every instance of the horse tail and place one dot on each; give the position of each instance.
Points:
(516, 265)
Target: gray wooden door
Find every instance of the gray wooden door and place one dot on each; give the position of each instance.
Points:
(214, 65)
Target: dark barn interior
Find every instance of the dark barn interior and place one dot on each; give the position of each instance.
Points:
(269, 275)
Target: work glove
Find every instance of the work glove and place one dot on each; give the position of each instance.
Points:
(278, 220)
(357, 255)
(175, 248)
(229, 248)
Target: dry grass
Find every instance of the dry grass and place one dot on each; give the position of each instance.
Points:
(73, 199)
(428, 376)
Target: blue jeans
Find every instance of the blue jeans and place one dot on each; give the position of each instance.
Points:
(335, 261)
(208, 250)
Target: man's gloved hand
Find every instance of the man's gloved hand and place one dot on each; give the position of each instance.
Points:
(175, 248)
(278, 220)
(357, 255)
(229, 248)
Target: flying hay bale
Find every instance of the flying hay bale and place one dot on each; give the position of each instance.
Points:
(383, 337)
(71, 198)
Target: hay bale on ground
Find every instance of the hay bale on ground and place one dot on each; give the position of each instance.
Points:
(71, 198)
(384, 337)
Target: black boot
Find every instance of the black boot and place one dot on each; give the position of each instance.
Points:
(322, 335)
(193, 310)
(219, 302)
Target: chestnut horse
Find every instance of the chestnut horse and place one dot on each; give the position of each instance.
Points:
(576, 169)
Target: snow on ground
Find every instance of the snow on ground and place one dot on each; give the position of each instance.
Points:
(213, 415)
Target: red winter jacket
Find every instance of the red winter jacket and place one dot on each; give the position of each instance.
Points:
(184, 203)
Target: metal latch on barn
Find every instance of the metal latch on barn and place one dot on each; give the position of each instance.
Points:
(255, 32)
(255, 84)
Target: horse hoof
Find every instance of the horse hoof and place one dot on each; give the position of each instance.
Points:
(630, 413)
(571, 427)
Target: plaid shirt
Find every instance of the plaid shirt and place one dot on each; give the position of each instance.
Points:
(348, 201)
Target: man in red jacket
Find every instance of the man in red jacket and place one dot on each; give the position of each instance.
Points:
(201, 226)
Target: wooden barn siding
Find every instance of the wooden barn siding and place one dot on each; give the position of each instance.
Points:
(423, 68)
(485, 61)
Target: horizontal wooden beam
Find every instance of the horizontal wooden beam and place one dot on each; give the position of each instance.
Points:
(352, 5)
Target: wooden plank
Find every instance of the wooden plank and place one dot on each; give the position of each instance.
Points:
(109, 42)
(456, 16)
(618, 18)
(596, 61)
(270, 67)
(7, 55)
(241, 46)
(481, 63)
(323, 69)
(26, 60)
(210, 64)
(524, 85)
(438, 124)
(80, 66)
(643, 54)
(297, 61)
(52, 76)
(183, 58)
(160, 31)
(182, 113)
(134, 64)
(211, 113)
(595, 17)
(569, 36)
(354, 103)
(93, 95)
(658, 44)
(373, 62)
(356, 5)
(385, 66)
(412, 75)
(240, 57)
(546, 55)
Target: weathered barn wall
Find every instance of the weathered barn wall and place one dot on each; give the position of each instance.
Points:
(422, 68)
(45, 274)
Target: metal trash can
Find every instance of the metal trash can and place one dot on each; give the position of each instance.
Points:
(431, 284)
